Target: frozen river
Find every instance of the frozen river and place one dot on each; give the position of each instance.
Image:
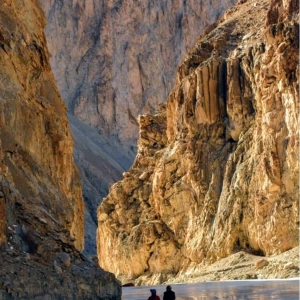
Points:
(238, 290)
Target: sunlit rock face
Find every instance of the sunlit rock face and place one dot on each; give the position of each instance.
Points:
(217, 166)
(41, 205)
(38, 176)
(113, 60)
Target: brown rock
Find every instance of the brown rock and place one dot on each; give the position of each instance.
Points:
(113, 60)
(226, 175)
(144, 176)
(39, 175)
(261, 263)
(41, 205)
(281, 10)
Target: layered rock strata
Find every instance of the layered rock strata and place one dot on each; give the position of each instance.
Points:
(113, 60)
(41, 205)
(217, 170)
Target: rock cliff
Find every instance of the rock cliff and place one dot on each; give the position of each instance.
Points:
(217, 168)
(113, 60)
(41, 205)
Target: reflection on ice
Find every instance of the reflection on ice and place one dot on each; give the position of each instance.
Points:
(237, 290)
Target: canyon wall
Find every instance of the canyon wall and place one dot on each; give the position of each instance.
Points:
(217, 168)
(113, 60)
(36, 142)
(41, 205)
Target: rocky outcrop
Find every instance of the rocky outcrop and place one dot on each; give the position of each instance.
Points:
(217, 170)
(113, 60)
(41, 205)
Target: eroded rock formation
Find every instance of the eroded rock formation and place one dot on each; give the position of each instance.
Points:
(113, 60)
(41, 205)
(217, 170)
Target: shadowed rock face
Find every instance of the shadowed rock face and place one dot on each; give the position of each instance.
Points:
(113, 60)
(41, 205)
(217, 168)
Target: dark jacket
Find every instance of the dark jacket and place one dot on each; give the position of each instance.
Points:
(154, 297)
(169, 295)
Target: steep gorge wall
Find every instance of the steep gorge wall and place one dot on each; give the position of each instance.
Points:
(217, 169)
(113, 60)
(36, 143)
(41, 205)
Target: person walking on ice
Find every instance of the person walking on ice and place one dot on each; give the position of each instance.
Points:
(169, 294)
(153, 295)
